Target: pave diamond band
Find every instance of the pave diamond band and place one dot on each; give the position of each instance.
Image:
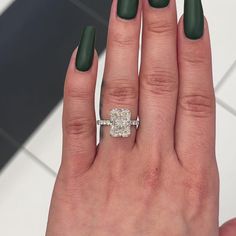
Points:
(109, 123)
(120, 122)
(104, 122)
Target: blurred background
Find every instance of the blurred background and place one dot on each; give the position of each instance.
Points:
(36, 41)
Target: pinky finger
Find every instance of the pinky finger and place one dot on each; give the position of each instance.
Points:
(79, 123)
(229, 228)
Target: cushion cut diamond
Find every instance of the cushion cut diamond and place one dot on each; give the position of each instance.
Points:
(120, 122)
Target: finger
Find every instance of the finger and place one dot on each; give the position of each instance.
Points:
(229, 228)
(195, 124)
(120, 84)
(79, 124)
(158, 76)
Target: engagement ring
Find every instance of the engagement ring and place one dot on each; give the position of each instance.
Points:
(120, 122)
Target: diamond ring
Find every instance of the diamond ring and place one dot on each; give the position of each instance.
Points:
(120, 122)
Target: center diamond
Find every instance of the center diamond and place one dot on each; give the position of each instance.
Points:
(120, 122)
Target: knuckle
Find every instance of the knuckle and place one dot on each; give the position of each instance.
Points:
(196, 57)
(80, 126)
(151, 178)
(197, 190)
(123, 91)
(161, 27)
(76, 93)
(124, 39)
(200, 184)
(159, 82)
(198, 105)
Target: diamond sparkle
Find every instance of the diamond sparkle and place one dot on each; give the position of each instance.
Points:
(120, 122)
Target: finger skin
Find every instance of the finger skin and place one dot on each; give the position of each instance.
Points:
(158, 76)
(229, 228)
(195, 122)
(79, 123)
(120, 84)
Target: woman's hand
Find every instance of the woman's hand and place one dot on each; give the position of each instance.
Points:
(163, 178)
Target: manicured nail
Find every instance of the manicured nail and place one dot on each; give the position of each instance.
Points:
(159, 3)
(193, 19)
(127, 9)
(85, 54)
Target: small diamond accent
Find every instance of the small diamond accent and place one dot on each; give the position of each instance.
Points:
(104, 122)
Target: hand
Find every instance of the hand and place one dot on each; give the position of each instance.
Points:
(163, 178)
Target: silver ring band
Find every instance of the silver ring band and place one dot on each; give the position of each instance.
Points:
(109, 122)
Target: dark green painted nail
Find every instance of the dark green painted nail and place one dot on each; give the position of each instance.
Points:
(193, 19)
(159, 3)
(127, 9)
(85, 54)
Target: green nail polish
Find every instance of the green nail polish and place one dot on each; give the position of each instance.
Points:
(85, 54)
(193, 19)
(127, 9)
(159, 3)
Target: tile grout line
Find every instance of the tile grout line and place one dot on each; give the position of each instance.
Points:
(225, 77)
(226, 106)
(34, 158)
(89, 11)
(41, 163)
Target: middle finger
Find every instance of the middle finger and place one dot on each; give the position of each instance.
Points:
(158, 75)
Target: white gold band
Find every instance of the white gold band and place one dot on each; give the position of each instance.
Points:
(109, 122)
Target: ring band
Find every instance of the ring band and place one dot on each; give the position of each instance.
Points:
(120, 123)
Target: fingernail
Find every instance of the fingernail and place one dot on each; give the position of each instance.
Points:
(193, 19)
(85, 54)
(159, 3)
(127, 9)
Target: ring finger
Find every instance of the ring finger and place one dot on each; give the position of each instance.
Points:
(159, 75)
(120, 83)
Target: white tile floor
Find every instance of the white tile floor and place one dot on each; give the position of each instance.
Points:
(26, 190)
(227, 91)
(26, 185)
(226, 156)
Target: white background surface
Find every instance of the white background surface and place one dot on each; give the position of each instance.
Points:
(26, 184)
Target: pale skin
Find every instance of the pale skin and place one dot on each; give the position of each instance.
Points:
(163, 179)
